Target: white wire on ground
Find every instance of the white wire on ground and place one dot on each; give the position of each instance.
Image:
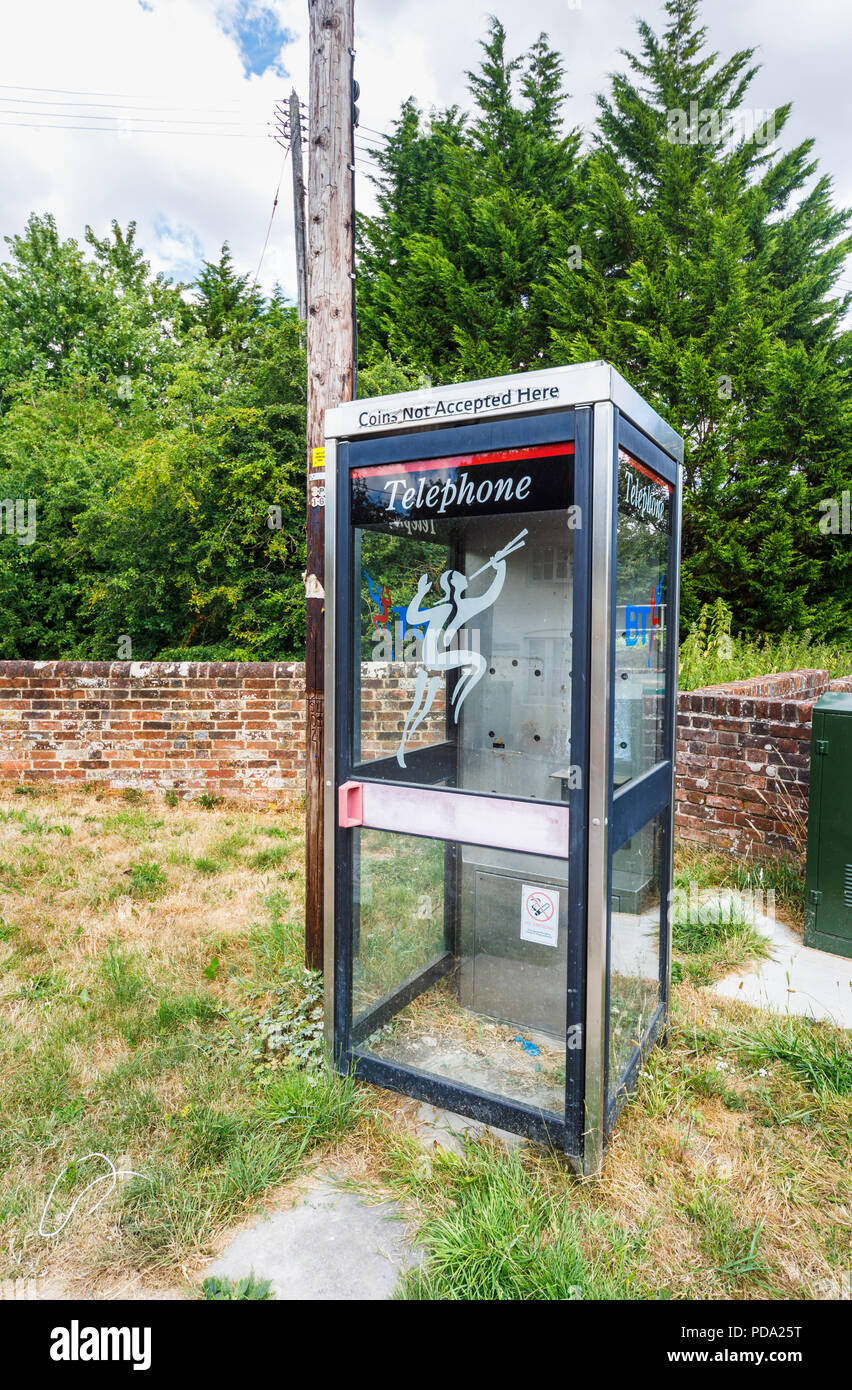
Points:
(112, 1176)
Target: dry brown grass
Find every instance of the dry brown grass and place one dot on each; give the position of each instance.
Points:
(766, 1154)
(708, 1157)
(70, 902)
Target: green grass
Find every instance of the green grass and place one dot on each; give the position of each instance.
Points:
(122, 975)
(225, 852)
(29, 825)
(819, 1056)
(705, 952)
(731, 1246)
(313, 1108)
(220, 1163)
(711, 655)
(494, 1227)
(270, 858)
(710, 938)
(783, 877)
(772, 887)
(248, 1288)
(137, 825)
(147, 879)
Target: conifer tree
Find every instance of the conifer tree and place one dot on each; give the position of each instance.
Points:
(687, 247)
(450, 272)
(707, 278)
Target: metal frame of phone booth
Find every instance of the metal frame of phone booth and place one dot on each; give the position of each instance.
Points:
(624, 464)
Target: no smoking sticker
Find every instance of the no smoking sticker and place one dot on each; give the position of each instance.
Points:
(539, 914)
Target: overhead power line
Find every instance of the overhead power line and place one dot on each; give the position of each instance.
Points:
(67, 91)
(146, 120)
(115, 105)
(271, 218)
(133, 130)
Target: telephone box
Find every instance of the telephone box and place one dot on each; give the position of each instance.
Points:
(501, 639)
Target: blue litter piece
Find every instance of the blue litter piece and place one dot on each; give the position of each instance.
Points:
(529, 1047)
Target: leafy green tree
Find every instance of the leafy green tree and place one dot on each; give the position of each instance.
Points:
(708, 278)
(450, 271)
(63, 312)
(224, 303)
(162, 441)
(190, 526)
(687, 247)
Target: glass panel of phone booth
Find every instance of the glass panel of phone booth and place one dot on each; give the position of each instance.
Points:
(463, 623)
(635, 990)
(463, 633)
(461, 964)
(636, 957)
(641, 610)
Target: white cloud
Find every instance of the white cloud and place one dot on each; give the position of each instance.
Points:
(189, 193)
(162, 72)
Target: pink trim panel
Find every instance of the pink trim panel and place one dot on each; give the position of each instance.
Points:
(529, 826)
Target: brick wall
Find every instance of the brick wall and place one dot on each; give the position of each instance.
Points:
(233, 729)
(237, 729)
(387, 690)
(230, 728)
(743, 762)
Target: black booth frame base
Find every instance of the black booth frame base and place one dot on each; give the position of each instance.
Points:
(487, 1108)
(494, 1110)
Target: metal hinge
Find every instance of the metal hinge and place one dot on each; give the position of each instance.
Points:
(821, 745)
(815, 897)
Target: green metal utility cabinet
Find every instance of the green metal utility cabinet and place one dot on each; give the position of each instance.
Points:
(828, 890)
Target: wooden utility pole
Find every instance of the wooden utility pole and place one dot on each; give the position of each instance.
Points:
(330, 374)
(299, 206)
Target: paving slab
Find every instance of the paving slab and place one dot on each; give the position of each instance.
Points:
(793, 979)
(332, 1246)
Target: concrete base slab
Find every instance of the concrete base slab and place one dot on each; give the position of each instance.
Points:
(435, 1126)
(794, 979)
(332, 1246)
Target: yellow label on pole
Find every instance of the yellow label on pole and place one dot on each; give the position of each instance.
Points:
(318, 458)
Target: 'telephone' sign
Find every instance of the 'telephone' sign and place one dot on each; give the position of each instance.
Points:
(641, 493)
(534, 479)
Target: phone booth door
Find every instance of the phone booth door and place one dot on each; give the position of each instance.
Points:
(460, 655)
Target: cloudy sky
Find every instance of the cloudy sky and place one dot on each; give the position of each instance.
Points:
(161, 110)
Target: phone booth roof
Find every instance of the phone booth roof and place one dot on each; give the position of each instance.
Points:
(522, 393)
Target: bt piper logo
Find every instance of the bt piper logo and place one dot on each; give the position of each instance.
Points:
(76, 1343)
(644, 620)
(443, 621)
